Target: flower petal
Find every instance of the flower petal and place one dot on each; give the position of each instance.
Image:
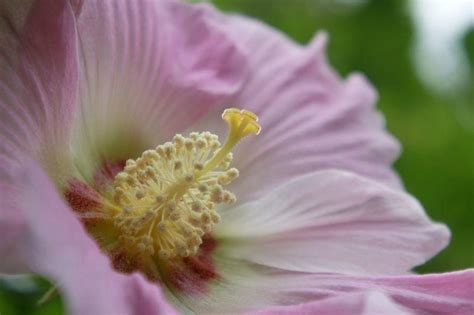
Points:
(11, 225)
(38, 82)
(446, 293)
(311, 119)
(55, 244)
(149, 69)
(332, 221)
(371, 303)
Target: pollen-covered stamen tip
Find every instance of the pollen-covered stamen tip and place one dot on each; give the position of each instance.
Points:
(166, 199)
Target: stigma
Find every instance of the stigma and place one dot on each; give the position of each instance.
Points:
(165, 201)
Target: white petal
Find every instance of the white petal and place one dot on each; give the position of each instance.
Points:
(332, 221)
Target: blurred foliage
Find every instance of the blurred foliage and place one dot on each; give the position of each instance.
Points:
(437, 134)
(22, 296)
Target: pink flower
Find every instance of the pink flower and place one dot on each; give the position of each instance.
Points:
(321, 223)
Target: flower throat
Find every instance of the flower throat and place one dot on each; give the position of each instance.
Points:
(165, 201)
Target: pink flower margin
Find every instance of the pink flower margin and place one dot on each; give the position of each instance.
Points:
(322, 225)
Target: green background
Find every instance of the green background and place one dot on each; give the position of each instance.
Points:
(437, 133)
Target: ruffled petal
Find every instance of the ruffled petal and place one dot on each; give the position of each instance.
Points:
(445, 293)
(332, 221)
(311, 119)
(149, 69)
(55, 244)
(371, 303)
(38, 83)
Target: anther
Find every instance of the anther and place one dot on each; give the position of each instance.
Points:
(215, 218)
(175, 216)
(159, 198)
(189, 144)
(161, 226)
(179, 140)
(202, 188)
(205, 218)
(150, 172)
(139, 194)
(194, 135)
(196, 206)
(171, 206)
(198, 166)
(201, 143)
(189, 178)
(233, 173)
(178, 165)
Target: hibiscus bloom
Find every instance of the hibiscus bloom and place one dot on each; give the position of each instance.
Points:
(115, 185)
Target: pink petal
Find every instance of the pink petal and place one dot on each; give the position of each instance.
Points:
(55, 244)
(371, 303)
(11, 225)
(149, 69)
(311, 119)
(332, 221)
(38, 82)
(446, 293)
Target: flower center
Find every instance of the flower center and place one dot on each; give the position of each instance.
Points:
(166, 199)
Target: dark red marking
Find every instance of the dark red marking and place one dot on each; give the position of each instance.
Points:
(185, 281)
(122, 262)
(201, 266)
(105, 175)
(191, 274)
(208, 245)
(81, 197)
(127, 262)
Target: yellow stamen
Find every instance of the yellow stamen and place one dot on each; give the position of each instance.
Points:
(167, 197)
